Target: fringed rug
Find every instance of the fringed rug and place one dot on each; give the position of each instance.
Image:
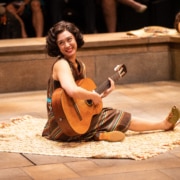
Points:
(23, 135)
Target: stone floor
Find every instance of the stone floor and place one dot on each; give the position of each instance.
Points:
(149, 101)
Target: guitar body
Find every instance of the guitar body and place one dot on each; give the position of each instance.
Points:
(74, 115)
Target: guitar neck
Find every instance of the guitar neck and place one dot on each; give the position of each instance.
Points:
(106, 84)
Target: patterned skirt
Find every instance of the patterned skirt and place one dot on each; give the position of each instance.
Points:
(108, 120)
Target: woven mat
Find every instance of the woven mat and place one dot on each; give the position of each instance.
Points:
(23, 135)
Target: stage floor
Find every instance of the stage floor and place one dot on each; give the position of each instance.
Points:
(146, 100)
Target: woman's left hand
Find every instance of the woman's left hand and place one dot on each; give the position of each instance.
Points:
(109, 90)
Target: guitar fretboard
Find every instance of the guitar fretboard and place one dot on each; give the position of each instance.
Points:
(115, 77)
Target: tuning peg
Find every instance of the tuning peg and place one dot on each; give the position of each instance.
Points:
(118, 67)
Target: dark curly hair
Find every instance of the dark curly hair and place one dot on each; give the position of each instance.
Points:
(177, 21)
(51, 39)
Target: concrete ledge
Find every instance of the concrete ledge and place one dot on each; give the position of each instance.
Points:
(25, 66)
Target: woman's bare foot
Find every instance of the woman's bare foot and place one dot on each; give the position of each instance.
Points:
(141, 8)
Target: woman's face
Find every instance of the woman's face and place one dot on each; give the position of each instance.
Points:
(179, 27)
(67, 44)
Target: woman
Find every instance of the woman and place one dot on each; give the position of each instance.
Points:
(17, 8)
(109, 8)
(63, 40)
(177, 22)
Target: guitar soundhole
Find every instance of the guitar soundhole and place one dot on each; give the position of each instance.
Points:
(89, 102)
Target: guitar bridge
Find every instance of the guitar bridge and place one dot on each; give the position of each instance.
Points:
(77, 109)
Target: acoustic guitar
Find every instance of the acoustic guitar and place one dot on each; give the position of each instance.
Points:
(74, 115)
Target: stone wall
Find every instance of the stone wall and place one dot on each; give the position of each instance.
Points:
(24, 65)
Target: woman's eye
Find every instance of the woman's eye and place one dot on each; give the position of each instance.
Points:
(69, 39)
(61, 43)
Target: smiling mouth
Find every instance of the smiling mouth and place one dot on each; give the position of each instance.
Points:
(69, 50)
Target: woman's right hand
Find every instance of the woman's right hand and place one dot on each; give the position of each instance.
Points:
(96, 98)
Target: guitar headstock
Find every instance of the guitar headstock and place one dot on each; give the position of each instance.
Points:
(121, 69)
